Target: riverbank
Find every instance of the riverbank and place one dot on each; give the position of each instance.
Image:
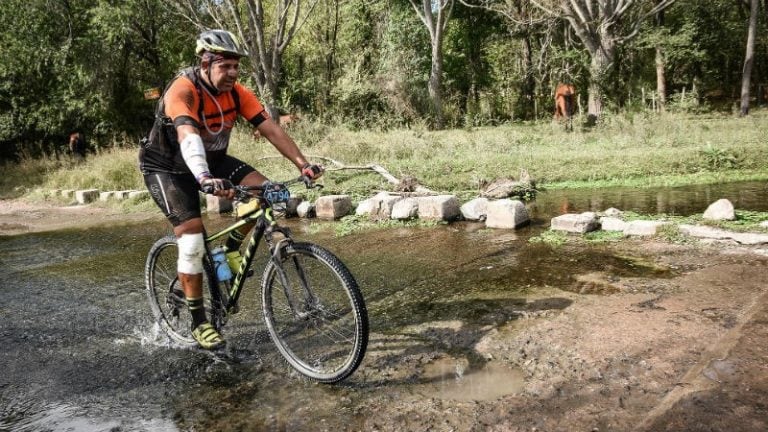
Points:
(636, 150)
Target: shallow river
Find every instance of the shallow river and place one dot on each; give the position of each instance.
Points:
(80, 352)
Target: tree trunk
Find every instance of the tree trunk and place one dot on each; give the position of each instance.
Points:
(435, 85)
(599, 72)
(435, 15)
(331, 38)
(749, 57)
(528, 85)
(661, 78)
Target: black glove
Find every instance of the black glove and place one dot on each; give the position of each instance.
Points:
(212, 185)
(312, 171)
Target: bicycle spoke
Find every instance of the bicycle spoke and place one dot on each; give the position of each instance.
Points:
(323, 338)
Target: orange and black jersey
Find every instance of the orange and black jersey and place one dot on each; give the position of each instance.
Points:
(214, 118)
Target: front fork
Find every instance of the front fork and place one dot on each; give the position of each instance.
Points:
(276, 251)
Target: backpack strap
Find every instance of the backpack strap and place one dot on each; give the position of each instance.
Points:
(192, 73)
(236, 99)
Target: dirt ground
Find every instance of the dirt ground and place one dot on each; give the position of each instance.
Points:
(18, 216)
(680, 353)
(683, 352)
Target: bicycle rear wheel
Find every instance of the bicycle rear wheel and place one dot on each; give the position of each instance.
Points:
(315, 314)
(165, 294)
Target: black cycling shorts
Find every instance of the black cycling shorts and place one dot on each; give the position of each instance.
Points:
(178, 195)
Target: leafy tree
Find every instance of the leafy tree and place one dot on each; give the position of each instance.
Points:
(527, 24)
(266, 34)
(467, 68)
(44, 83)
(602, 26)
(140, 48)
(435, 15)
(404, 64)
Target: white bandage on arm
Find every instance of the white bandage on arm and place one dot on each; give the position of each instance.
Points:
(193, 152)
(191, 251)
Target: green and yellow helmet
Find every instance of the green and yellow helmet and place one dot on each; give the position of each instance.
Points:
(220, 42)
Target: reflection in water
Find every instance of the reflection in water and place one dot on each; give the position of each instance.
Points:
(448, 379)
(683, 201)
(32, 416)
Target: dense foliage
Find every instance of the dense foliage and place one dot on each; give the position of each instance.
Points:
(85, 64)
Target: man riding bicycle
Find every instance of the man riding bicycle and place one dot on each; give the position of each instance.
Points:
(186, 152)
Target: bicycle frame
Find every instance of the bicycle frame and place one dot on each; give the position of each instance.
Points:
(265, 225)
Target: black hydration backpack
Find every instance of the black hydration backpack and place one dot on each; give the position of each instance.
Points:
(160, 148)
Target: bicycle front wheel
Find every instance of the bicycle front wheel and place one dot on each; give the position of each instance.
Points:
(165, 294)
(315, 313)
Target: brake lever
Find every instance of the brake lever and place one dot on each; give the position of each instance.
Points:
(310, 184)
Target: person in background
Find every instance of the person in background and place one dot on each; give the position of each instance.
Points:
(77, 145)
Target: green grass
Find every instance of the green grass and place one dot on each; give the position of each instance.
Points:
(639, 150)
(354, 224)
(551, 238)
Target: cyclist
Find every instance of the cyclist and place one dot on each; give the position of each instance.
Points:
(186, 152)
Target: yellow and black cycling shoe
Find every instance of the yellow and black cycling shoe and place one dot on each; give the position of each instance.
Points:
(207, 336)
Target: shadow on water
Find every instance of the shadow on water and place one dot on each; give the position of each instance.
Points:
(80, 351)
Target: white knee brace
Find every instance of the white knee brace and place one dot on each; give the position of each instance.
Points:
(191, 251)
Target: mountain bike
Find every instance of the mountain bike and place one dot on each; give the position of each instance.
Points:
(312, 305)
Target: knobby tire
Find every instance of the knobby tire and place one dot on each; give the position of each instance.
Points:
(328, 341)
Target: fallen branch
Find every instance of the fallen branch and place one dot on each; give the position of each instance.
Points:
(407, 183)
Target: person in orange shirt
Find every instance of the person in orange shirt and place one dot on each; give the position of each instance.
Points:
(187, 152)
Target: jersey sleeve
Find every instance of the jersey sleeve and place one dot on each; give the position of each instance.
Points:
(181, 102)
(250, 107)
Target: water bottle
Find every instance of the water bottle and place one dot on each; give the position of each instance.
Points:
(223, 273)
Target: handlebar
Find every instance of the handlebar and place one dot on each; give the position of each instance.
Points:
(273, 191)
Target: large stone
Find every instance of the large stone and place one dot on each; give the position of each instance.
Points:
(441, 207)
(67, 193)
(143, 193)
(216, 204)
(106, 196)
(613, 212)
(383, 202)
(365, 207)
(719, 234)
(575, 223)
(506, 213)
(475, 210)
(87, 196)
(292, 206)
(407, 208)
(612, 224)
(644, 227)
(333, 207)
(123, 194)
(305, 209)
(721, 209)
